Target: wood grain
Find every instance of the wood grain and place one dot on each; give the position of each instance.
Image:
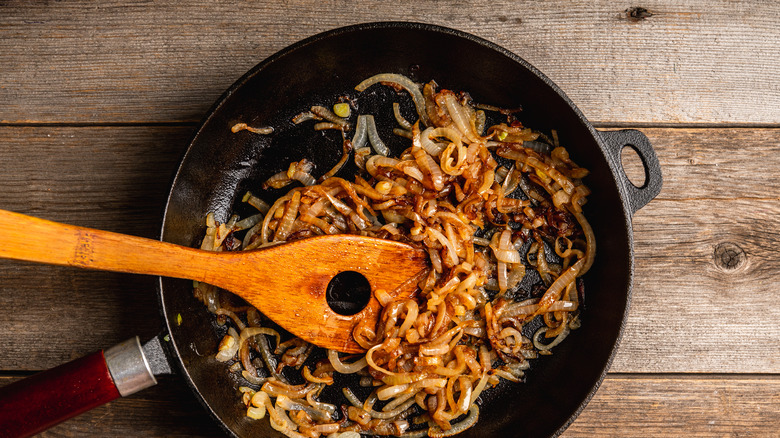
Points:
(691, 312)
(114, 178)
(625, 406)
(54, 314)
(691, 61)
(688, 406)
(700, 315)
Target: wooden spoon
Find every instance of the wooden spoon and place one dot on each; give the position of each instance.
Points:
(286, 282)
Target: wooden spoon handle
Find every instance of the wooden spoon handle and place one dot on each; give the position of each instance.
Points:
(39, 240)
(286, 282)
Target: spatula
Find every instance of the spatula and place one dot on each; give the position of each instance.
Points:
(287, 282)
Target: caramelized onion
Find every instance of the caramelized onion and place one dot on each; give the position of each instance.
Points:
(453, 193)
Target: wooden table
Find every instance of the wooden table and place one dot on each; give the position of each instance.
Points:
(98, 101)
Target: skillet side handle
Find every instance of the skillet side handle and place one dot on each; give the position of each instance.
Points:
(615, 141)
(32, 405)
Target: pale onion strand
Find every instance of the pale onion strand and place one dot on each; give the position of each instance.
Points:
(373, 136)
(343, 368)
(405, 83)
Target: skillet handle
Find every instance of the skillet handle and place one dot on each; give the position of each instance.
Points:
(34, 404)
(615, 141)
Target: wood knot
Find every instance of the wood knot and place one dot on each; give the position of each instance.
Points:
(637, 13)
(729, 256)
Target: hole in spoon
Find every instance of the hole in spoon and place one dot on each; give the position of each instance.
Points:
(348, 293)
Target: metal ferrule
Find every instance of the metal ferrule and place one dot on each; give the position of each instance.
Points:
(128, 367)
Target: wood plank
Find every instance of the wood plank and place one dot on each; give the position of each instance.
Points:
(716, 164)
(638, 406)
(625, 406)
(113, 178)
(689, 62)
(689, 313)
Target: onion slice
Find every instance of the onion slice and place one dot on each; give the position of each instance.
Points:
(403, 82)
(373, 136)
(343, 368)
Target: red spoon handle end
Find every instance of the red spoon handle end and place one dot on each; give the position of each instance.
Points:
(34, 404)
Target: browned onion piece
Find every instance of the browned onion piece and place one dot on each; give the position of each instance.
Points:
(278, 180)
(553, 293)
(425, 161)
(328, 115)
(243, 126)
(288, 217)
(590, 251)
(346, 149)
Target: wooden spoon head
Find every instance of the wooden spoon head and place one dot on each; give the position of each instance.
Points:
(289, 283)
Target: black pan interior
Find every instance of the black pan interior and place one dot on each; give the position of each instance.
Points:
(220, 166)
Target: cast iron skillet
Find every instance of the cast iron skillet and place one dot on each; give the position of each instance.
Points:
(220, 166)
